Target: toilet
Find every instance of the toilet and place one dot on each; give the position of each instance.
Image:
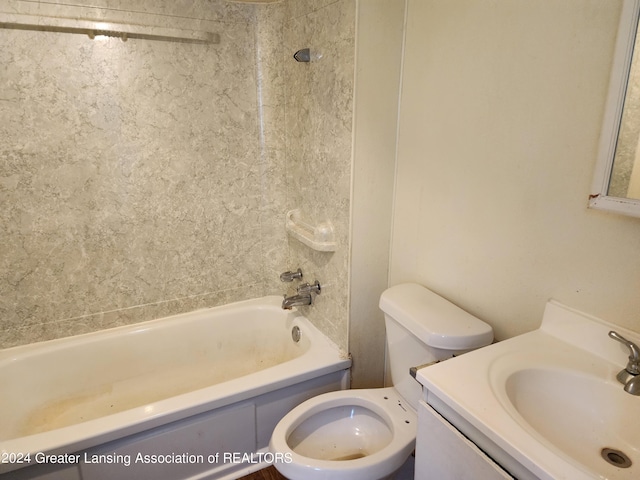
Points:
(368, 434)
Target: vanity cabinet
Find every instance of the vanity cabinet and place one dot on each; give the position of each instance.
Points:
(443, 453)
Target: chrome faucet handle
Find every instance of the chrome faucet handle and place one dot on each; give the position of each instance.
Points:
(633, 367)
(291, 276)
(633, 385)
(310, 288)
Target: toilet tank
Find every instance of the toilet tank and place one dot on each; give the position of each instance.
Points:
(423, 327)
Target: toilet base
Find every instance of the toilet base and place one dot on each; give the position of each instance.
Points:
(363, 434)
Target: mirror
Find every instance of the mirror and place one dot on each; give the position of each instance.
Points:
(616, 184)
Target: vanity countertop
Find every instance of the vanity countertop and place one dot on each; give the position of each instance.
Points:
(545, 404)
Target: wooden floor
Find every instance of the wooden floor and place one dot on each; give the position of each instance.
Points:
(267, 474)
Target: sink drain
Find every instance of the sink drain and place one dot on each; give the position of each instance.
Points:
(616, 457)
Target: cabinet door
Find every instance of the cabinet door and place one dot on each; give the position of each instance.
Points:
(443, 453)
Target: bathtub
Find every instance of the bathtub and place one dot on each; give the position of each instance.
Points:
(192, 396)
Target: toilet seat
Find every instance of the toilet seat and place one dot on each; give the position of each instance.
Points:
(316, 435)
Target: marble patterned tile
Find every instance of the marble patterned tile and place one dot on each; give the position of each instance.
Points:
(318, 111)
(140, 179)
(299, 8)
(131, 174)
(183, 12)
(101, 321)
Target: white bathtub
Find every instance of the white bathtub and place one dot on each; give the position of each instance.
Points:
(214, 381)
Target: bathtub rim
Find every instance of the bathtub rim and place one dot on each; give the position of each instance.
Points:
(269, 302)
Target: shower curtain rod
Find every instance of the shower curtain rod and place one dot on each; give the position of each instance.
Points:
(93, 28)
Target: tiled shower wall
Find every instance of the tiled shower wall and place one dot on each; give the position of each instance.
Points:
(144, 178)
(137, 178)
(319, 120)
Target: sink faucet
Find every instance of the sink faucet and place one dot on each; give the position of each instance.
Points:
(630, 375)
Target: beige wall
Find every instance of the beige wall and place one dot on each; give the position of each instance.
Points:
(500, 117)
(380, 33)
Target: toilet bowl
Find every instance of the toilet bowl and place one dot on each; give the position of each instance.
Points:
(368, 434)
(346, 435)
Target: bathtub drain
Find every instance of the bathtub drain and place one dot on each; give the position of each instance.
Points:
(616, 457)
(295, 334)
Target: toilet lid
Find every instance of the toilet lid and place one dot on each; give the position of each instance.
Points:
(434, 320)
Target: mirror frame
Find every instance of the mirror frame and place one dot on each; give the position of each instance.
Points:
(613, 114)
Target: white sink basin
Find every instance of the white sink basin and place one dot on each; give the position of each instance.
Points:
(585, 417)
(546, 404)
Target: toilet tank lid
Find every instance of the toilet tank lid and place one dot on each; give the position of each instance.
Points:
(434, 320)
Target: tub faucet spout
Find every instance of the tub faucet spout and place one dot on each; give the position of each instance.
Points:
(296, 300)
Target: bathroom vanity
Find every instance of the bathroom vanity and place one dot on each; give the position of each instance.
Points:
(443, 452)
(541, 406)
